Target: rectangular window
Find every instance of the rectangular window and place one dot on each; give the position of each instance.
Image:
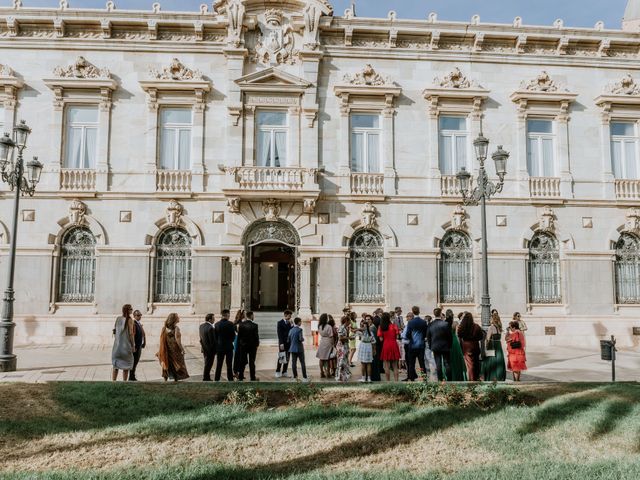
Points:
(624, 150)
(175, 138)
(81, 136)
(454, 141)
(540, 148)
(271, 141)
(365, 144)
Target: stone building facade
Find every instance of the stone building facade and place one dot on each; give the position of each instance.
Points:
(272, 154)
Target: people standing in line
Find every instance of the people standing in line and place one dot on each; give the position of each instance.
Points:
(376, 366)
(296, 349)
(404, 342)
(390, 355)
(521, 323)
(493, 367)
(171, 352)
(440, 340)
(516, 350)
(123, 344)
(333, 356)
(416, 334)
(207, 345)
(225, 337)
(248, 341)
(314, 331)
(343, 371)
(353, 328)
(470, 335)
(367, 336)
(283, 328)
(456, 358)
(139, 342)
(237, 354)
(325, 345)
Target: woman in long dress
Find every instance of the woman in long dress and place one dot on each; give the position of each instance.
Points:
(458, 367)
(367, 336)
(517, 358)
(470, 335)
(390, 353)
(493, 368)
(343, 372)
(123, 344)
(171, 352)
(325, 346)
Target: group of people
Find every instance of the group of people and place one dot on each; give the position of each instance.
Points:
(449, 348)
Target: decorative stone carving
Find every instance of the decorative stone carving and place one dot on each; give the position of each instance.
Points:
(271, 209)
(368, 76)
(312, 16)
(176, 71)
(542, 83)
(632, 221)
(459, 218)
(82, 68)
(274, 42)
(626, 86)
(271, 230)
(233, 204)
(369, 213)
(309, 205)
(6, 71)
(235, 11)
(174, 212)
(546, 220)
(77, 212)
(455, 79)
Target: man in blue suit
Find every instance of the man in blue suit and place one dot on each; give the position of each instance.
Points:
(284, 326)
(416, 335)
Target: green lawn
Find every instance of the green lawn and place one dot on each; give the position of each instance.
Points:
(264, 431)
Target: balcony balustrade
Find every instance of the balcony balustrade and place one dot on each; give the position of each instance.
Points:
(77, 180)
(544, 187)
(627, 189)
(173, 181)
(271, 182)
(367, 184)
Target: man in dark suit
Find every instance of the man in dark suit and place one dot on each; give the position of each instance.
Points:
(248, 341)
(440, 338)
(208, 344)
(139, 341)
(416, 333)
(225, 335)
(284, 326)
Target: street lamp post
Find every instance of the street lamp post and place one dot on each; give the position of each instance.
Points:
(12, 173)
(484, 190)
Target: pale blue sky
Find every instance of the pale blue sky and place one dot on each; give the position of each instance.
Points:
(575, 13)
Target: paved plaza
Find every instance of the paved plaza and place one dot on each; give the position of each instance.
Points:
(43, 363)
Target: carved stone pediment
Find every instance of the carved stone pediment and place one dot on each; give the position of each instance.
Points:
(272, 80)
(542, 83)
(459, 218)
(455, 79)
(624, 92)
(457, 90)
(626, 86)
(177, 71)
(10, 84)
(368, 216)
(271, 209)
(543, 89)
(546, 220)
(174, 213)
(77, 212)
(81, 69)
(367, 77)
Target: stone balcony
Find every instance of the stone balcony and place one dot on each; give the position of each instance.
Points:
(295, 183)
(77, 180)
(367, 184)
(627, 189)
(544, 187)
(173, 181)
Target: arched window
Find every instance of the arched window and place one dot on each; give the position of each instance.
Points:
(628, 269)
(173, 267)
(544, 269)
(77, 266)
(455, 268)
(366, 267)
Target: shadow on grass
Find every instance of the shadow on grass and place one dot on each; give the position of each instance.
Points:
(615, 412)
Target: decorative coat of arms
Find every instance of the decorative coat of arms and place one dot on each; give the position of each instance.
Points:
(274, 42)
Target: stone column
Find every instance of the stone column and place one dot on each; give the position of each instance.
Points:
(344, 162)
(250, 136)
(522, 173)
(309, 129)
(433, 136)
(608, 179)
(304, 264)
(566, 188)
(387, 149)
(104, 126)
(236, 282)
(235, 68)
(294, 138)
(197, 143)
(150, 161)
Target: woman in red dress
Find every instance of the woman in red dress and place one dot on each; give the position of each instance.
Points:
(517, 359)
(390, 353)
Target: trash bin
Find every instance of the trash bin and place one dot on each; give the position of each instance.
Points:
(606, 350)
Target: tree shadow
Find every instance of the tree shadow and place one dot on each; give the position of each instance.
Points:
(549, 415)
(614, 413)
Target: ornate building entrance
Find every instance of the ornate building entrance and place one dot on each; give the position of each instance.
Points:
(271, 273)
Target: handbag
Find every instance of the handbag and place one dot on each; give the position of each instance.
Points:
(282, 357)
(332, 353)
(516, 344)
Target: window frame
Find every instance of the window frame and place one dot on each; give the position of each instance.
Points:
(539, 137)
(453, 134)
(176, 128)
(272, 130)
(68, 125)
(366, 131)
(468, 267)
(557, 297)
(634, 299)
(172, 296)
(365, 296)
(635, 139)
(66, 296)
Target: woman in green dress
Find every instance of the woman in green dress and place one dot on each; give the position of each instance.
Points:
(458, 368)
(493, 368)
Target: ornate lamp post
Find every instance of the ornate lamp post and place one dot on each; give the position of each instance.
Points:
(13, 173)
(484, 190)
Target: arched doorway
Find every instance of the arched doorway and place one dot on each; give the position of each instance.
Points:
(271, 274)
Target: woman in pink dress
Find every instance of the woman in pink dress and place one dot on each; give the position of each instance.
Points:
(517, 359)
(390, 353)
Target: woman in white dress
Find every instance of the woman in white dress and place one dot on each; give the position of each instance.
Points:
(367, 336)
(123, 344)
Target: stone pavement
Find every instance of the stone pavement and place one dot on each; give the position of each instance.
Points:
(42, 363)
